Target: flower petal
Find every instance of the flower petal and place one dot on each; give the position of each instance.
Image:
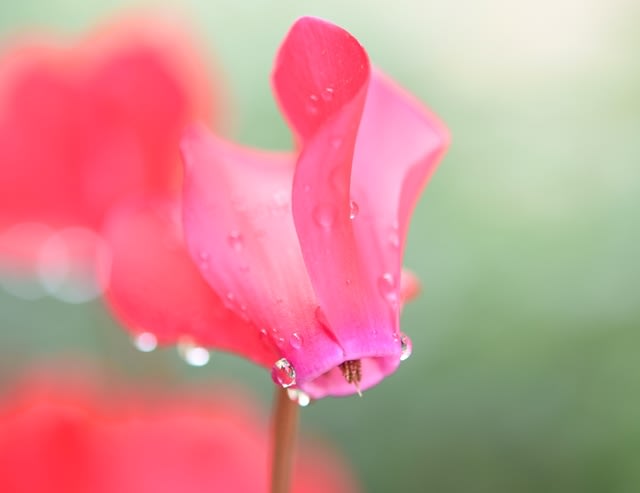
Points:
(155, 287)
(237, 216)
(399, 145)
(319, 69)
(409, 285)
(356, 313)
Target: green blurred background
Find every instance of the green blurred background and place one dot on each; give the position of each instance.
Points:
(525, 375)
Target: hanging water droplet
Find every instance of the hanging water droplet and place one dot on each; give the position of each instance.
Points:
(327, 94)
(387, 288)
(235, 240)
(353, 209)
(145, 342)
(324, 216)
(299, 397)
(295, 340)
(405, 347)
(196, 356)
(283, 373)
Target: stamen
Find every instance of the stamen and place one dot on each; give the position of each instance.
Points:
(352, 373)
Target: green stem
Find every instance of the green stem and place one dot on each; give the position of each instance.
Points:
(285, 428)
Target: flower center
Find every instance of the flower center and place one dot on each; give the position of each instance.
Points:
(352, 372)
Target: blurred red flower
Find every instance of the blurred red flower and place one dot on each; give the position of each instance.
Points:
(65, 439)
(83, 125)
(292, 259)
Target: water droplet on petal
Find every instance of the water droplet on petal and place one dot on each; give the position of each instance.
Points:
(353, 209)
(281, 198)
(327, 94)
(298, 396)
(324, 216)
(387, 288)
(283, 373)
(235, 239)
(394, 240)
(295, 340)
(145, 342)
(312, 105)
(406, 347)
(266, 339)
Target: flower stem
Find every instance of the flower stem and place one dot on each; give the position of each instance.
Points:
(285, 428)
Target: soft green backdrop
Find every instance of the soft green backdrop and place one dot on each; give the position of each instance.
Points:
(526, 370)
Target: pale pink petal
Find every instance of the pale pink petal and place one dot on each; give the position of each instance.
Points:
(399, 145)
(239, 230)
(155, 287)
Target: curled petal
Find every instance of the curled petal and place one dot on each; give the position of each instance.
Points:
(399, 145)
(155, 287)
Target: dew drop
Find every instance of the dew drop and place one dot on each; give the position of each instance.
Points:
(353, 209)
(295, 340)
(196, 356)
(298, 396)
(387, 288)
(145, 342)
(327, 94)
(281, 198)
(394, 240)
(235, 240)
(264, 337)
(324, 215)
(193, 354)
(406, 347)
(283, 373)
(312, 105)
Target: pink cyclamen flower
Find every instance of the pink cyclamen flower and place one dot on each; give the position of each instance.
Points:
(294, 259)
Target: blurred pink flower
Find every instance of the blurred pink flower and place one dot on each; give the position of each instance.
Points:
(84, 125)
(294, 259)
(62, 438)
